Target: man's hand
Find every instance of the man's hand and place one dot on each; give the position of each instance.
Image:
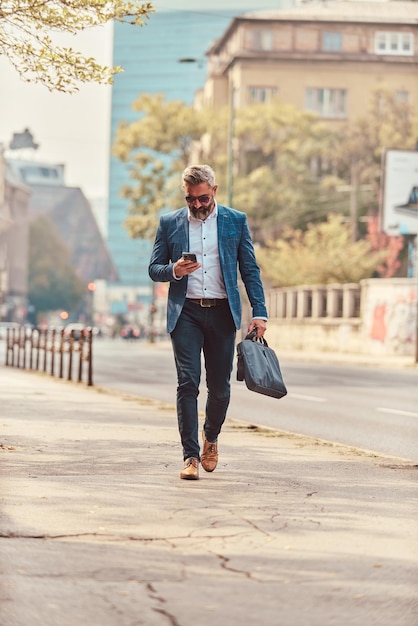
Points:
(260, 325)
(183, 267)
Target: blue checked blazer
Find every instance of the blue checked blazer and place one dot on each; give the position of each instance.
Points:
(235, 252)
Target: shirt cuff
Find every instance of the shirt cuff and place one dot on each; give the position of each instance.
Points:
(174, 275)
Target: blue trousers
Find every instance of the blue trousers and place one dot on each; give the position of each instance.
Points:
(210, 330)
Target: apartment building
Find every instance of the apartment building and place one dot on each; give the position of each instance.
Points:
(326, 57)
(14, 244)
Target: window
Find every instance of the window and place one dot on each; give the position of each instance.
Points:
(263, 40)
(394, 43)
(331, 42)
(262, 94)
(47, 172)
(38, 173)
(331, 103)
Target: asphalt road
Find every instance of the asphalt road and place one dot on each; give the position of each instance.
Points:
(362, 406)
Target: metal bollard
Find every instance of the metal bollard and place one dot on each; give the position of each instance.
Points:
(7, 346)
(31, 337)
(22, 347)
(90, 357)
(52, 363)
(38, 347)
(70, 355)
(61, 353)
(80, 356)
(45, 346)
(25, 350)
(13, 343)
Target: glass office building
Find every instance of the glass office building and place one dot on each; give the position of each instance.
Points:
(150, 57)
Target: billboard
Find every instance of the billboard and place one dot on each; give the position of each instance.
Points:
(400, 192)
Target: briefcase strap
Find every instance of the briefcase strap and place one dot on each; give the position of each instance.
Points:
(253, 337)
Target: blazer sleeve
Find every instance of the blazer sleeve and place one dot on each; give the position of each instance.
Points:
(160, 267)
(250, 272)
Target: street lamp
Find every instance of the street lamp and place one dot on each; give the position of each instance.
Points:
(191, 60)
(231, 131)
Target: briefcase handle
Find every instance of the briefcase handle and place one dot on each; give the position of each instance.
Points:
(253, 337)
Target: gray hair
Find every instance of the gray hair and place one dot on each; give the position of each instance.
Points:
(197, 174)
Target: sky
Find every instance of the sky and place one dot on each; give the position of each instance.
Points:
(69, 128)
(73, 129)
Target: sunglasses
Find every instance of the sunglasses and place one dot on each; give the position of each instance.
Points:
(202, 199)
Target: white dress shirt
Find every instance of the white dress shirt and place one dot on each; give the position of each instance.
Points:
(207, 281)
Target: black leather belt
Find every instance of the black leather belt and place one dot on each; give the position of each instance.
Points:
(207, 302)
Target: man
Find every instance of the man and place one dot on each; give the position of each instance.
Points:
(204, 306)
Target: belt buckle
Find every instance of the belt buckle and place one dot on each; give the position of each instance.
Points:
(205, 306)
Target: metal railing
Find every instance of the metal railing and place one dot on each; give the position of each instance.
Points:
(52, 351)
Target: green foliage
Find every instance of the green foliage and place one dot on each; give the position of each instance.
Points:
(392, 244)
(26, 25)
(157, 148)
(274, 181)
(323, 254)
(279, 189)
(388, 123)
(291, 172)
(52, 282)
(360, 145)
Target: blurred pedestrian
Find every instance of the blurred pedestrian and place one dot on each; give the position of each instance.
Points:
(204, 305)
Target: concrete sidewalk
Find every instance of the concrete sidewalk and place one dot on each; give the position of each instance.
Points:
(97, 529)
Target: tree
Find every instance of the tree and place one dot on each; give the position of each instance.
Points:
(53, 283)
(360, 144)
(393, 244)
(25, 27)
(276, 182)
(291, 170)
(323, 254)
(156, 148)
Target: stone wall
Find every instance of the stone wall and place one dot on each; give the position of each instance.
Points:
(378, 316)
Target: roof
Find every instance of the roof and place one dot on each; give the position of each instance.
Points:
(14, 180)
(391, 12)
(71, 213)
(34, 172)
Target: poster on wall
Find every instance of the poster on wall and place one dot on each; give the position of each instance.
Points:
(400, 192)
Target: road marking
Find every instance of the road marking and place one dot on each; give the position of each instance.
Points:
(397, 412)
(310, 398)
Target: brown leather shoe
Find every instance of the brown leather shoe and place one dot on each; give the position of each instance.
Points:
(209, 456)
(190, 469)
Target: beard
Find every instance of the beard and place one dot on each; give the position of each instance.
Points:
(202, 212)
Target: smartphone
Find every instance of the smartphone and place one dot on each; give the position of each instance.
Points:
(189, 256)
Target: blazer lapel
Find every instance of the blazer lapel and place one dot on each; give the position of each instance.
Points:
(223, 224)
(183, 228)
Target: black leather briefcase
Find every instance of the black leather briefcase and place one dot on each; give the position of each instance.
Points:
(259, 366)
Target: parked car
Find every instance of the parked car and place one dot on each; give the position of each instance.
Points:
(77, 328)
(130, 332)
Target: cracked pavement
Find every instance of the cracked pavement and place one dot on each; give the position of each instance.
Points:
(97, 529)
